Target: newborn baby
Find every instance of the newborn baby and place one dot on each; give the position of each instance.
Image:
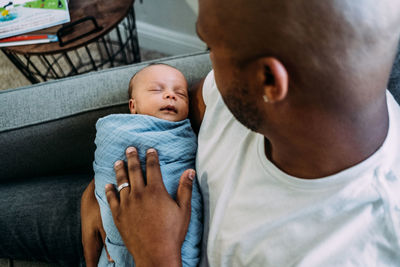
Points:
(159, 104)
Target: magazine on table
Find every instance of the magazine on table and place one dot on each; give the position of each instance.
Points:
(22, 16)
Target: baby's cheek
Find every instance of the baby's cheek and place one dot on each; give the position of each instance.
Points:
(186, 111)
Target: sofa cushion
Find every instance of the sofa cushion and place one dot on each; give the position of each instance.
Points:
(40, 219)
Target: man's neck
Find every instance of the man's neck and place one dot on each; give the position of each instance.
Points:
(314, 150)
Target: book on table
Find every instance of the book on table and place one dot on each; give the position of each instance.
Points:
(23, 16)
(28, 39)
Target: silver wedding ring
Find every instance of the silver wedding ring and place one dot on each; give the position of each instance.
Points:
(122, 186)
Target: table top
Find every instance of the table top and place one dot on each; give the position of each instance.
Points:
(107, 13)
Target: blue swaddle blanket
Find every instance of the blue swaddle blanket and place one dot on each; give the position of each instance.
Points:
(176, 145)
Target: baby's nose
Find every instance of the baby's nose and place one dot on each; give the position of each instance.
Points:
(170, 95)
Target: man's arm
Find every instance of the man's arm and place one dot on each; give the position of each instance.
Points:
(93, 234)
(197, 106)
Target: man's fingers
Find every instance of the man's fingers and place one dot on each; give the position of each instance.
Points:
(112, 198)
(113, 201)
(184, 193)
(134, 169)
(122, 179)
(153, 172)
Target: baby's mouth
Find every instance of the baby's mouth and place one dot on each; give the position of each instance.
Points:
(169, 108)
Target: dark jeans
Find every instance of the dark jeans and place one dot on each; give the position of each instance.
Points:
(40, 219)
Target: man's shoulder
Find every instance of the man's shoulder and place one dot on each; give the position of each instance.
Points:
(210, 91)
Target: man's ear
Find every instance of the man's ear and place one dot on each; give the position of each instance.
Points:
(274, 79)
(132, 106)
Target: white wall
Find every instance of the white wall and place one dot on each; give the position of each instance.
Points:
(168, 26)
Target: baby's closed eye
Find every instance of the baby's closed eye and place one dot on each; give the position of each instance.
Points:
(182, 93)
(155, 90)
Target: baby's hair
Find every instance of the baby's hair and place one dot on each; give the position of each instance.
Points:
(149, 65)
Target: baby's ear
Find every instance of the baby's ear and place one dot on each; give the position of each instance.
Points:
(132, 106)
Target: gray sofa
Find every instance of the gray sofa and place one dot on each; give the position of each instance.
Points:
(47, 143)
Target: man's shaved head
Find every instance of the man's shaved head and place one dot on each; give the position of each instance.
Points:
(333, 50)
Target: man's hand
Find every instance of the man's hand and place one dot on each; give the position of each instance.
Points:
(152, 224)
(93, 234)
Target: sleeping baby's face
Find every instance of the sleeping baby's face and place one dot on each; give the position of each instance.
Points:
(159, 91)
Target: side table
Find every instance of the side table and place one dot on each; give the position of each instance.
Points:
(101, 34)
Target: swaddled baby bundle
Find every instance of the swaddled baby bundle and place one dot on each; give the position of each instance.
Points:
(176, 145)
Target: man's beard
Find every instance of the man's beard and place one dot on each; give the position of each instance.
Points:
(241, 103)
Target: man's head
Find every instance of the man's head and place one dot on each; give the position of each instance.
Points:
(159, 90)
(302, 56)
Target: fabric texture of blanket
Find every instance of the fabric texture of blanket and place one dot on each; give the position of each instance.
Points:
(176, 145)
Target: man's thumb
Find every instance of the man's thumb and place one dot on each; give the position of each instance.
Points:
(184, 194)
